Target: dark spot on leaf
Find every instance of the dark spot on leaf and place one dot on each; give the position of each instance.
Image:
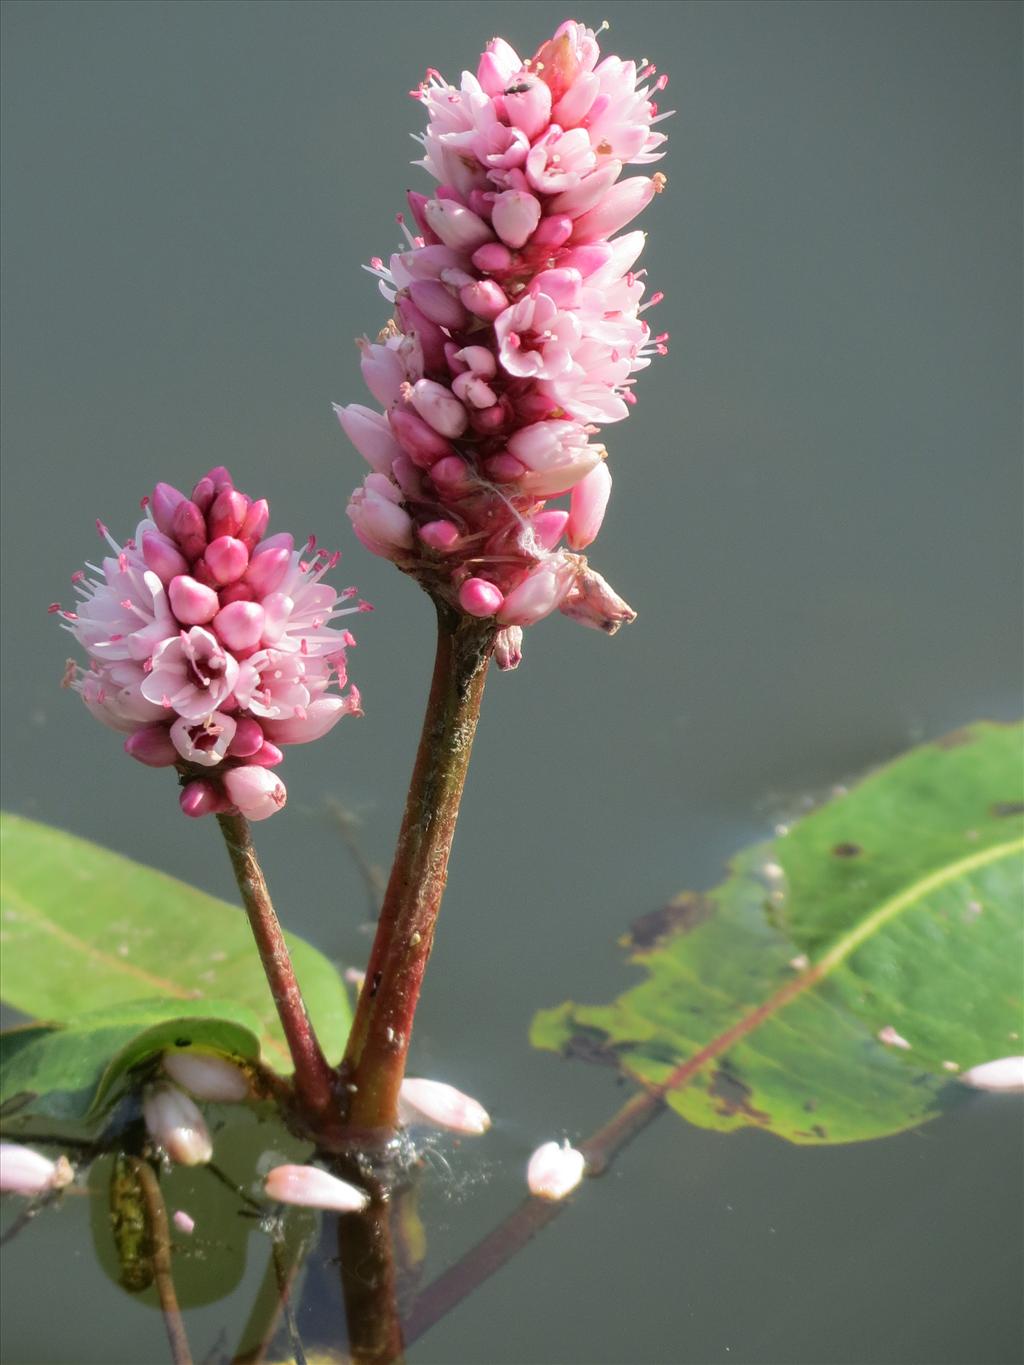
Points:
(1001, 809)
(954, 739)
(682, 914)
(847, 851)
(591, 1046)
(734, 1097)
(810, 1105)
(819, 1132)
(183, 1042)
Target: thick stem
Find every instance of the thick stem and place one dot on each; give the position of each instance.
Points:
(314, 1079)
(368, 1284)
(377, 1046)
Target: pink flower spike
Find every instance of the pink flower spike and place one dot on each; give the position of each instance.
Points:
(176, 1125)
(587, 506)
(192, 602)
(256, 792)
(442, 1105)
(555, 1170)
(152, 746)
(477, 597)
(310, 1187)
(29, 1173)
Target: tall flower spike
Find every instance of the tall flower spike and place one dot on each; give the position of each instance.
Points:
(211, 645)
(517, 331)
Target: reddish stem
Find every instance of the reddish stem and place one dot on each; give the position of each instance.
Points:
(375, 1058)
(314, 1079)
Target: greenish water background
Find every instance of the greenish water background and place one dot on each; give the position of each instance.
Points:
(816, 512)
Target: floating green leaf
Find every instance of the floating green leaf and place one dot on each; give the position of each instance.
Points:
(76, 1072)
(832, 986)
(84, 929)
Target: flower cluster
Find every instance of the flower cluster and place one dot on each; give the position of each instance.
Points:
(516, 331)
(211, 645)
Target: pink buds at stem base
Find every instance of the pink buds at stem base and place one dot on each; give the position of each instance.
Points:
(441, 1105)
(207, 1076)
(310, 1187)
(29, 1173)
(555, 1170)
(176, 1125)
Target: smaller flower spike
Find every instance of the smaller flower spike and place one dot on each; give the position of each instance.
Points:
(210, 644)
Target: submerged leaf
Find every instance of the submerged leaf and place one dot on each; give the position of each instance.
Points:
(833, 985)
(85, 929)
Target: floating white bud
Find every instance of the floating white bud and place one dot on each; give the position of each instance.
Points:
(442, 1105)
(24, 1171)
(1005, 1073)
(176, 1124)
(555, 1170)
(207, 1076)
(314, 1188)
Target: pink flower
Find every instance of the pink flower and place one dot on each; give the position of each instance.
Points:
(212, 644)
(517, 331)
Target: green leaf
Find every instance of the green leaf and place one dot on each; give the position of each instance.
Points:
(893, 912)
(84, 929)
(77, 1072)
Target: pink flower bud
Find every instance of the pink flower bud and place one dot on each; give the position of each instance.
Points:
(555, 1170)
(248, 738)
(376, 515)
(456, 226)
(498, 65)
(267, 755)
(442, 536)
(417, 203)
(199, 798)
(587, 506)
(175, 1124)
(256, 792)
(1005, 1074)
(204, 493)
(452, 475)
(470, 389)
(504, 468)
(418, 439)
(594, 602)
(207, 1075)
(441, 1105)
(528, 104)
(480, 360)
(575, 104)
(382, 372)
(477, 597)
(562, 285)
(492, 258)
(539, 593)
(227, 514)
(508, 648)
(163, 504)
(257, 518)
(162, 556)
(266, 569)
(310, 1187)
(423, 345)
(192, 602)
(553, 232)
(618, 207)
(369, 433)
(226, 558)
(514, 215)
(485, 299)
(240, 625)
(188, 528)
(29, 1173)
(437, 303)
(152, 746)
(439, 407)
(548, 527)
